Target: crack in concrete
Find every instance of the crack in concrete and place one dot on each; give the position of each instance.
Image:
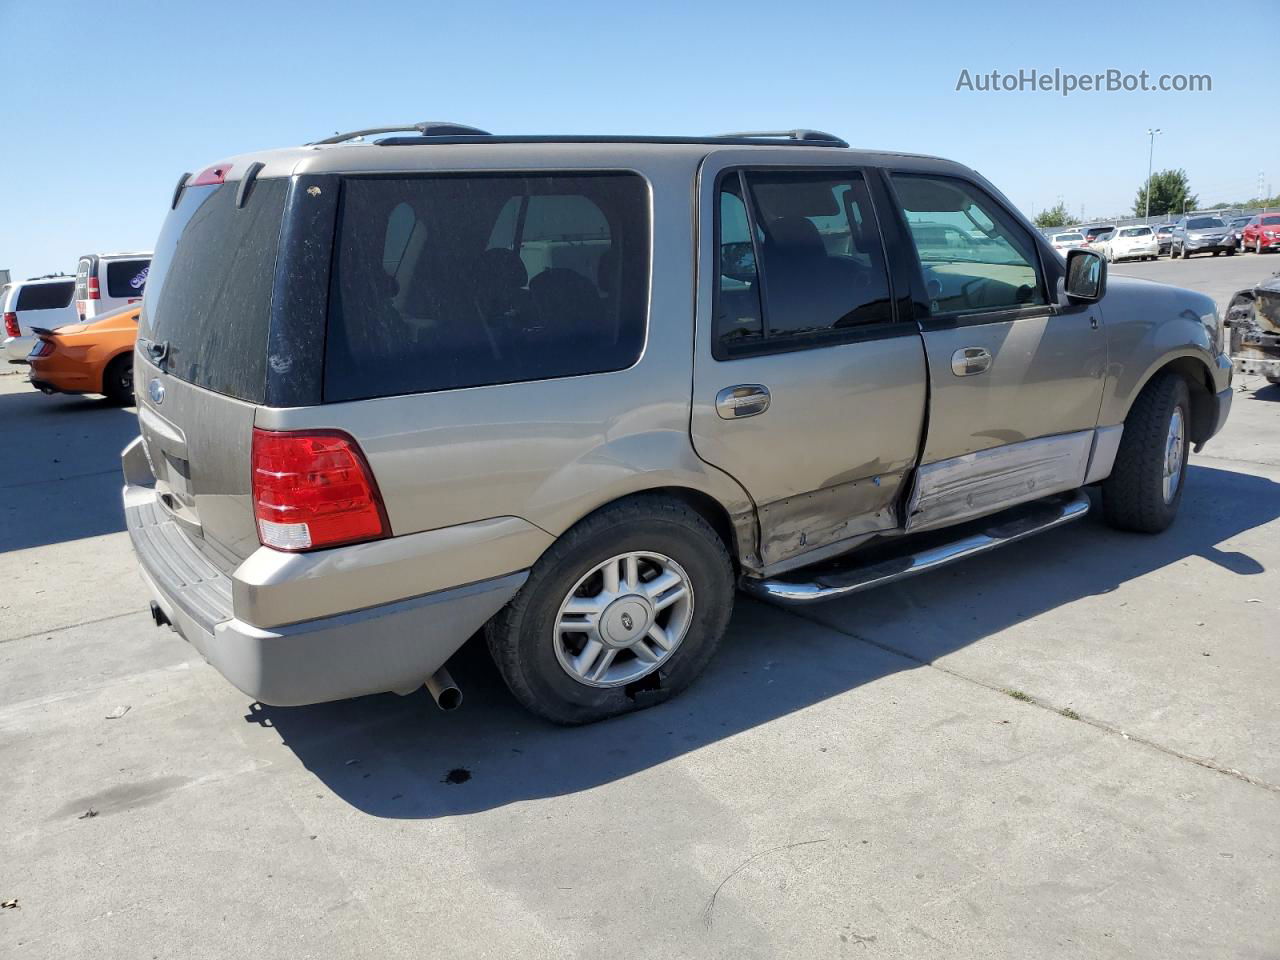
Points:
(1097, 724)
(71, 626)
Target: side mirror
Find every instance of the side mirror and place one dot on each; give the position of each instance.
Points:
(1086, 276)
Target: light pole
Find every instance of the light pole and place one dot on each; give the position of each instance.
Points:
(1150, 153)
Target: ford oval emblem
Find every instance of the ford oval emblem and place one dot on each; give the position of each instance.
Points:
(156, 391)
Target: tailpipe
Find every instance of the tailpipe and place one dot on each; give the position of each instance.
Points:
(158, 615)
(445, 692)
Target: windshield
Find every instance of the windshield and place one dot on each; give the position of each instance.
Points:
(1205, 223)
(1271, 221)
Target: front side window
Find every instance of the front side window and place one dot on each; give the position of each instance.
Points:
(974, 255)
(821, 270)
(450, 281)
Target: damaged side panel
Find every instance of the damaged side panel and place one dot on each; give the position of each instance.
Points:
(975, 484)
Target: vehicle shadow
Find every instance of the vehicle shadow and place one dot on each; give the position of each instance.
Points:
(60, 472)
(1269, 392)
(400, 757)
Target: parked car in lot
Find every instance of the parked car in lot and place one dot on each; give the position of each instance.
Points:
(455, 381)
(1262, 233)
(1201, 235)
(1253, 322)
(92, 357)
(1164, 237)
(1131, 243)
(1235, 226)
(38, 302)
(1062, 242)
(107, 281)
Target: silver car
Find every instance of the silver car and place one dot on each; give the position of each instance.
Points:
(1201, 234)
(411, 383)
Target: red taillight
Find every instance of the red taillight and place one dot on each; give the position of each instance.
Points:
(94, 293)
(11, 325)
(314, 489)
(215, 174)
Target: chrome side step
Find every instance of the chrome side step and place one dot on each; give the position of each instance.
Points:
(1034, 518)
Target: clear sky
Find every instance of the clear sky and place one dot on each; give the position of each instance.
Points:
(103, 105)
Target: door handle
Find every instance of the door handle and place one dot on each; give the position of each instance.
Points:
(744, 400)
(967, 361)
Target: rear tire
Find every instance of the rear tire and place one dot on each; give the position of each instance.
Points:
(537, 658)
(1145, 487)
(117, 380)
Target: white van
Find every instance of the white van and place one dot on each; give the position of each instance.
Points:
(40, 302)
(105, 281)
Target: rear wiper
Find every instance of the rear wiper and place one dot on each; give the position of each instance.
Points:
(157, 350)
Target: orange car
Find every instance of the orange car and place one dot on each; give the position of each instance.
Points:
(94, 357)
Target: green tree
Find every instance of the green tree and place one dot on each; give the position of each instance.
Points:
(1055, 217)
(1170, 193)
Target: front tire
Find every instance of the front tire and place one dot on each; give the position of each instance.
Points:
(624, 611)
(117, 380)
(1145, 487)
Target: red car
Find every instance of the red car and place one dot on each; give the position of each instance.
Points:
(1262, 233)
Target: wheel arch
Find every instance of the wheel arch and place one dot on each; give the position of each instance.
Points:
(1200, 386)
(108, 361)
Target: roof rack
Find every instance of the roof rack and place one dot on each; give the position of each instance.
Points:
(790, 138)
(427, 128)
(808, 136)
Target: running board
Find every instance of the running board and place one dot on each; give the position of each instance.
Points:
(1008, 527)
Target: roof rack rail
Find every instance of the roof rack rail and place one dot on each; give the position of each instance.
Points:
(745, 140)
(814, 136)
(427, 128)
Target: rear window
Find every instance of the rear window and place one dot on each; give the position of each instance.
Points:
(83, 269)
(1068, 238)
(1136, 232)
(45, 296)
(209, 287)
(127, 278)
(449, 281)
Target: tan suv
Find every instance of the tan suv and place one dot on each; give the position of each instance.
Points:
(575, 391)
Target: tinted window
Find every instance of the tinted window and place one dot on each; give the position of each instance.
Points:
(209, 287)
(83, 269)
(974, 255)
(442, 282)
(127, 278)
(739, 317)
(45, 296)
(1271, 221)
(820, 253)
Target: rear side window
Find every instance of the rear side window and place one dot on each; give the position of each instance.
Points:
(45, 296)
(449, 281)
(127, 278)
(209, 287)
(819, 250)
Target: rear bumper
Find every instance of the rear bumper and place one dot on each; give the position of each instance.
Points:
(17, 348)
(1257, 366)
(391, 646)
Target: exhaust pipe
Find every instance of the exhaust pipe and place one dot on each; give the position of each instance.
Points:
(444, 690)
(158, 615)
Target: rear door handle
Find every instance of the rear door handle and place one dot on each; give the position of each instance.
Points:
(744, 400)
(967, 361)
